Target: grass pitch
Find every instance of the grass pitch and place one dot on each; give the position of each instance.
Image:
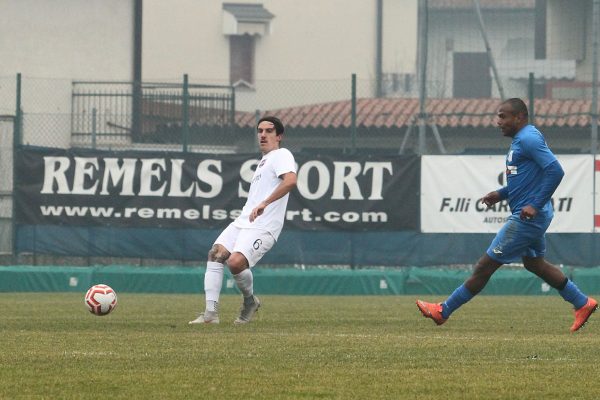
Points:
(297, 348)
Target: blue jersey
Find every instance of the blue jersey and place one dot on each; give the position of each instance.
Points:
(528, 156)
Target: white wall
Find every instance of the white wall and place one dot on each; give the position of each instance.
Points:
(74, 39)
(314, 47)
(569, 34)
(400, 29)
(566, 24)
(184, 36)
(312, 39)
(53, 42)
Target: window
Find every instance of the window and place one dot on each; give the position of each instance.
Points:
(472, 77)
(244, 24)
(241, 60)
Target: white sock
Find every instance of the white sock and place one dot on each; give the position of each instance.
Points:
(213, 281)
(244, 281)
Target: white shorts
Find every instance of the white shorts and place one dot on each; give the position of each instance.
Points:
(252, 243)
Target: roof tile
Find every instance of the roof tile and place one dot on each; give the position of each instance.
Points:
(401, 112)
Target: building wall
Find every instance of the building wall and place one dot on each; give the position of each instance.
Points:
(570, 35)
(313, 49)
(566, 26)
(400, 27)
(71, 39)
(52, 43)
(313, 39)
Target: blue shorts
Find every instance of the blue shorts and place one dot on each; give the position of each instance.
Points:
(518, 238)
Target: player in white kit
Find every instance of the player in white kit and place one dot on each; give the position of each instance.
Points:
(247, 239)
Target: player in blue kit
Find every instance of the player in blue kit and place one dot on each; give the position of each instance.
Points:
(533, 173)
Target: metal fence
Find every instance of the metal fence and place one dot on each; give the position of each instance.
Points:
(208, 118)
(126, 112)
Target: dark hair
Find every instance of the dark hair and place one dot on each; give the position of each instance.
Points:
(275, 121)
(518, 106)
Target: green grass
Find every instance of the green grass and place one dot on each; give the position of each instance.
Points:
(297, 348)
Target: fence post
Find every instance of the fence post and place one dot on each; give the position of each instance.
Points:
(94, 129)
(531, 99)
(353, 116)
(18, 114)
(594, 105)
(15, 145)
(186, 114)
(353, 151)
(232, 107)
(136, 111)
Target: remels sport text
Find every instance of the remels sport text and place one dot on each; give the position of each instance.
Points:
(107, 176)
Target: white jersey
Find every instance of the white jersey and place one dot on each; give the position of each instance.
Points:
(266, 178)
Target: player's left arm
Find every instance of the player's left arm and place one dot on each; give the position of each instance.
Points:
(551, 177)
(288, 182)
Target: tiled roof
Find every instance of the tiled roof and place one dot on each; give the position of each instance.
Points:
(485, 4)
(398, 113)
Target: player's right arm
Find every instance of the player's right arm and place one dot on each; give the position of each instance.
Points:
(493, 197)
(288, 182)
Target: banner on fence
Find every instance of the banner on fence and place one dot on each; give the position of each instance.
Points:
(452, 186)
(82, 187)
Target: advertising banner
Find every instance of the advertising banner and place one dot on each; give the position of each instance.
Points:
(452, 186)
(83, 187)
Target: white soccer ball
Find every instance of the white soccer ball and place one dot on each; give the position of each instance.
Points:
(101, 299)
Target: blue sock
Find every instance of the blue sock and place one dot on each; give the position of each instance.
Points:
(573, 295)
(459, 297)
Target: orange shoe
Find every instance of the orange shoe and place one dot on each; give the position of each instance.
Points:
(431, 310)
(583, 314)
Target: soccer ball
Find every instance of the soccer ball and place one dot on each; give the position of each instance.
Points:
(100, 299)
